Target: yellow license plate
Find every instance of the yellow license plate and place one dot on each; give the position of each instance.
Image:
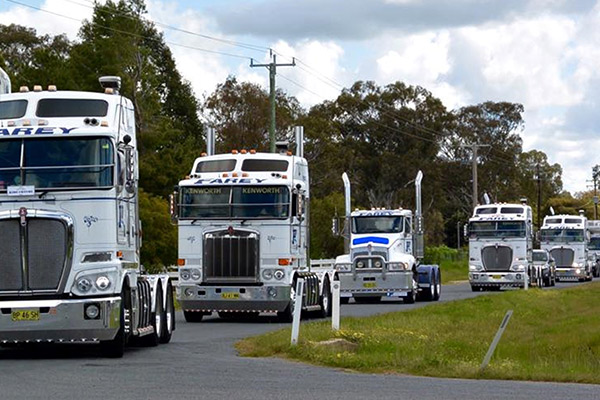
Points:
(370, 284)
(497, 276)
(230, 295)
(26, 315)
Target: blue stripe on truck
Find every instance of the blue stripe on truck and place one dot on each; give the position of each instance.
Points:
(374, 239)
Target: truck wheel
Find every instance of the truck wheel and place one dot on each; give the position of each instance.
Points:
(287, 315)
(475, 288)
(411, 298)
(169, 320)
(438, 287)
(156, 321)
(325, 301)
(429, 293)
(192, 316)
(115, 348)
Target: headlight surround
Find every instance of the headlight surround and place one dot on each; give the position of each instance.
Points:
(397, 266)
(267, 274)
(475, 267)
(519, 268)
(90, 282)
(343, 267)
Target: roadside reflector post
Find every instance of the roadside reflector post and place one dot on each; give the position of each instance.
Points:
(490, 351)
(526, 277)
(297, 311)
(335, 312)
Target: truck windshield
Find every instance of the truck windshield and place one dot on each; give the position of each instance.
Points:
(562, 235)
(540, 256)
(55, 164)
(390, 224)
(235, 202)
(491, 229)
(594, 243)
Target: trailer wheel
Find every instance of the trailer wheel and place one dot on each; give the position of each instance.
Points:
(169, 320)
(325, 300)
(156, 321)
(115, 348)
(192, 316)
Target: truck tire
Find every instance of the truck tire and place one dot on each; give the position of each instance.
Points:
(287, 315)
(438, 287)
(115, 348)
(411, 298)
(428, 294)
(169, 313)
(475, 288)
(325, 300)
(192, 316)
(157, 321)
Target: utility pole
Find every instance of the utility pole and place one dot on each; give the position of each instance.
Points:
(272, 67)
(595, 174)
(474, 148)
(539, 194)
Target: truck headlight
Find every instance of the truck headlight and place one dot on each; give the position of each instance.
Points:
(576, 264)
(279, 274)
(360, 264)
(342, 267)
(102, 282)
(84, 285)
(577, 271)
(378, 264)
(475, 267)
(519, 267)
(196, 275)
(184, 274)
(267, 274)
(398, 266)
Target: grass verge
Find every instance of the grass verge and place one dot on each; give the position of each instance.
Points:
(553, 336)
(453, 271)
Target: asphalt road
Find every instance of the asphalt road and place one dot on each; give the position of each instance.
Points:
(200, 363)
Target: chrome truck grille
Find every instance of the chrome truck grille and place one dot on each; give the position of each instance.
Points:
(563, 257)
(231, 256)
(496, 258)
(35, 253)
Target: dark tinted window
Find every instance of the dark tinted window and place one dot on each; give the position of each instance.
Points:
(12, 109)
(215, 166)
(553, 220)
(258, 165)
(511, 210)
(540, 256)
(572, 221)
(49, 108)
(487, 210)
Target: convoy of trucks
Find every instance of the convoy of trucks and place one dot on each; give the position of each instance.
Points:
(566, 239)
(244, 235)
(500, 246)
(384, 254)
(69, 223)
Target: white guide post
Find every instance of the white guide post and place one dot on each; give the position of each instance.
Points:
(526, 276)
(335, 312)
(297, 311)
(490, 351)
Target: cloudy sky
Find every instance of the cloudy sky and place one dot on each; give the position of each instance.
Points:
(544, 54)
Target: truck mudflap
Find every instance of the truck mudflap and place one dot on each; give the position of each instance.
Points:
(59, 320)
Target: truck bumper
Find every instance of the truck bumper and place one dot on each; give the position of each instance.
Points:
(60, 320)
(570, 274)
(497, 279)
(374, 284)
(233, 298)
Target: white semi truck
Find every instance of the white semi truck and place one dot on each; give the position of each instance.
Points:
(384, 253)
(4, 82)
(244, 235)
(594, 246)
(565, 237)
(70, 233)
(500, 246)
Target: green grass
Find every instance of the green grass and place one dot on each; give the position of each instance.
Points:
(554, 335)
(453, 271)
